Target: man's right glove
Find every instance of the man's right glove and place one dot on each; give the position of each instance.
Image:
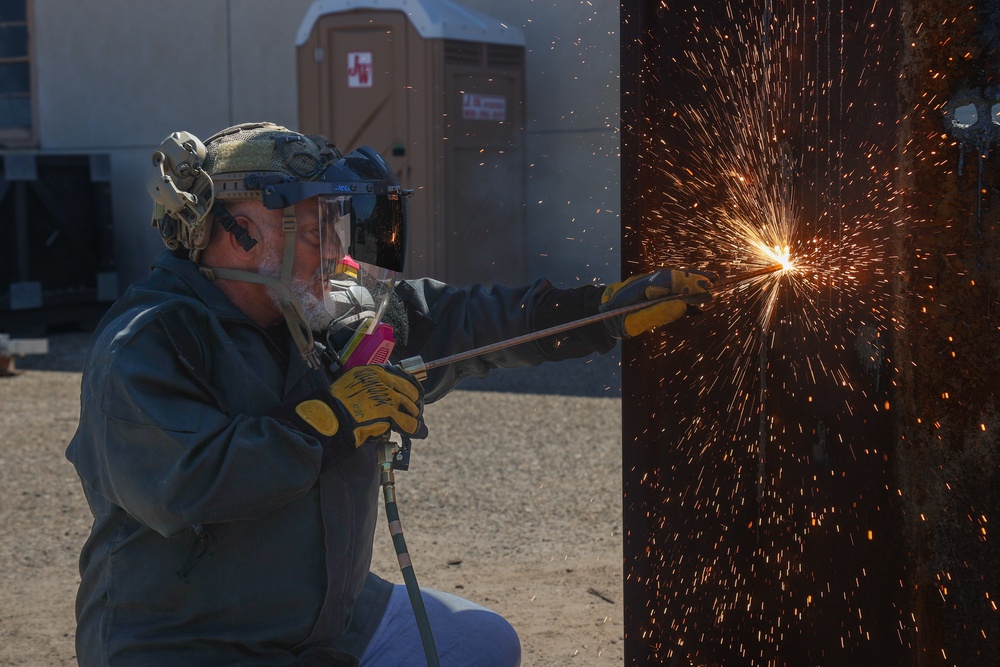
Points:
(693, 285)
(363, 403)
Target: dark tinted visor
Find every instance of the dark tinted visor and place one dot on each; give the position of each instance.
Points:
(378, 230)
(377, 203)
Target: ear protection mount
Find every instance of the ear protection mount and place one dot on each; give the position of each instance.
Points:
(182, 192)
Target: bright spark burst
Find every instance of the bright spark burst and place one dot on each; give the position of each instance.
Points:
(759, 174)
(778, 255)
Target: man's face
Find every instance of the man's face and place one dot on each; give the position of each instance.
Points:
(307, 269)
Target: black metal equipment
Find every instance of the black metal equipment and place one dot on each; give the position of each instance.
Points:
(57, 262)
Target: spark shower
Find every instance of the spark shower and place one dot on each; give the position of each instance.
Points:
(756, 444)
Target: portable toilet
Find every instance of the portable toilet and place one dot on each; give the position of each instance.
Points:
(438, 89)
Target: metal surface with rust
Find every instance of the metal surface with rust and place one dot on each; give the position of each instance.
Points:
(731, 559)
(947, 347)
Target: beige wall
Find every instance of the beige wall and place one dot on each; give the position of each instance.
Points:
(117, 76)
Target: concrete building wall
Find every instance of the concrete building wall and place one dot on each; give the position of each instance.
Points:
(573, 135)
(116, 76)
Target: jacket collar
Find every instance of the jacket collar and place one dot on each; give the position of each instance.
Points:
(196, 284)
(184, 271)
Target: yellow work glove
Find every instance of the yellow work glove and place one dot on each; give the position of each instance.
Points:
(694, 285)
(365, 402)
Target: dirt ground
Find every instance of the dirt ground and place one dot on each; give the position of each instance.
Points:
(513, 502)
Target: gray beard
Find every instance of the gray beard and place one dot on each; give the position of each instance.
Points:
(316, 314)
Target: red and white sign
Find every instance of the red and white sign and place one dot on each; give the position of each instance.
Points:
(359, 69)
(484, 107)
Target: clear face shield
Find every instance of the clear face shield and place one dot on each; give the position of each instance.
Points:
(356, 287)
(362, 237)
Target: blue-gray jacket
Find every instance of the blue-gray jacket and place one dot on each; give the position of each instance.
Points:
(218, 536)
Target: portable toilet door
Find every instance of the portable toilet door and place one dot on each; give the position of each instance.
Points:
(351, 76)
(439, 91)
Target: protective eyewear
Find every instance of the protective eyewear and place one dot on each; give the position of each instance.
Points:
(367, 192)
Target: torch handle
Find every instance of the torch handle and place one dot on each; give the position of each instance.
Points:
(419, 368)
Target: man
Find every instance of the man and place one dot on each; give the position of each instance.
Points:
(228, 411)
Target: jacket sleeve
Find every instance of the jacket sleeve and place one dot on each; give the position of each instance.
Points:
(445, 320)
(158, 441)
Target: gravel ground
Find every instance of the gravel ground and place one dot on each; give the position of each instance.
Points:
(514, 502)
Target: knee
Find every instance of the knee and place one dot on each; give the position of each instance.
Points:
(482, 638)
(506, 643)
(468, 634)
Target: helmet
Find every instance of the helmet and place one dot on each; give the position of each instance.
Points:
(189, 176)
(361, 210)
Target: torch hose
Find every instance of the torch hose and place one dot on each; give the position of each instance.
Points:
(388, 481)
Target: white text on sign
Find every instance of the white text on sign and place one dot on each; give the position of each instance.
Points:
(484, 107)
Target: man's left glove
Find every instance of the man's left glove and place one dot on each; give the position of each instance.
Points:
(363, 403)
(693, 285)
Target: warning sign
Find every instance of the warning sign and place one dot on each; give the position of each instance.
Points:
(484, 107)
(359, 69)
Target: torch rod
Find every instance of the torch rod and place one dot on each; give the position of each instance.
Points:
(419, 368)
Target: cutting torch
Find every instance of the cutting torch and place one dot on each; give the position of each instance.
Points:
(419, 368)
(396, 456)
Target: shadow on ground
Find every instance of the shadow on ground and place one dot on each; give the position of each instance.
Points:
(596, 375)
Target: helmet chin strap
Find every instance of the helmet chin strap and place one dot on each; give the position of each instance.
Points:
(295, 318)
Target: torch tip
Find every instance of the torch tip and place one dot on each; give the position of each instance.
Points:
(756, 273)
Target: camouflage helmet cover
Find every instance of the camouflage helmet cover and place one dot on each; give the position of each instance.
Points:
(188, 177)
(265, 147)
